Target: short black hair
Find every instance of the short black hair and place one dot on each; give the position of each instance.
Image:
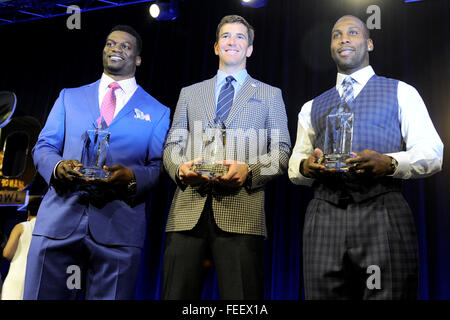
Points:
(133, 32)
(33, 205)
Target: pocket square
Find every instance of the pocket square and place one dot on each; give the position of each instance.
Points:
(254, 100)
(138, 114)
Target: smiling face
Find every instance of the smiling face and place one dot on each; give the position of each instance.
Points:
(350, 45)
(233, 47)
(120, 56)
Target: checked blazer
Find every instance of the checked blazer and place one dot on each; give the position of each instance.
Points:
(257, 107)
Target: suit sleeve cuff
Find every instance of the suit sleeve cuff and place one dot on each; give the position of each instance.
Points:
(180, 184)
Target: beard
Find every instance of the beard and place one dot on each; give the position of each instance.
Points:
(124, 67)
(354, 63)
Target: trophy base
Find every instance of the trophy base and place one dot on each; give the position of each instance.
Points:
(336, 162)
(94, 173)
(210, 170)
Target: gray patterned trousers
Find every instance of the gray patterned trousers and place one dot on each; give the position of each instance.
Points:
(344, 244)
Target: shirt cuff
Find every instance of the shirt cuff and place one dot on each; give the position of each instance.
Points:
(403, 164)
(294, 172)
(54, 169)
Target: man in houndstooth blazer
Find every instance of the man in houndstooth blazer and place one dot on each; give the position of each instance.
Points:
(223, 219)
(359, 239)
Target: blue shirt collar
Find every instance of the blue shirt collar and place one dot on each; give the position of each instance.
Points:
(240, 76)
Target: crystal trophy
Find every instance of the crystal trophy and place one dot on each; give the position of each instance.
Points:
(95, 151)
(212, 151)
(338, 139)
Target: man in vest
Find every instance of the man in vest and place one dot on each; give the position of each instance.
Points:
(358, 224)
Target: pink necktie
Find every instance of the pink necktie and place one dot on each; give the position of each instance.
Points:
(109, 104)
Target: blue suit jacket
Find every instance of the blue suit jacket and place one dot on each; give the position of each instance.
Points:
(134, 143)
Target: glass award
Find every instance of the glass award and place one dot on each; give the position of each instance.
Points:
(212, 151)
(338, 139)
(94, 153)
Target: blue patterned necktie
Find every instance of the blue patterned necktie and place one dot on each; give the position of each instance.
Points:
(225, 100)
(347, 93)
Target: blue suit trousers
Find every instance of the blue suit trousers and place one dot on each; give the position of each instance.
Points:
(78, 266)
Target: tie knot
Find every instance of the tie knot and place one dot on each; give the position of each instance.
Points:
(114, 86)
(348, 81)
(229, 79)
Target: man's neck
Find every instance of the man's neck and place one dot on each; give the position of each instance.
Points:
(352, 70)
(118, 77)
(231, 69)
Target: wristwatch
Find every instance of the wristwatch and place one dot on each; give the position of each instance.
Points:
(394, 165)
(131, 187)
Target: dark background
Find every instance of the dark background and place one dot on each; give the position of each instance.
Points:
(291, 51)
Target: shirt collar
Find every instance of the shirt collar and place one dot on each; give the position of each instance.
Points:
(361, 76)
(127, 85)
(239, 76)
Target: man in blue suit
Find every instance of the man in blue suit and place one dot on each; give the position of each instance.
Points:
(89, 236)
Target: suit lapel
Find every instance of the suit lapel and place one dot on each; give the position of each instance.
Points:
(208, 99)
(91, 95)
(248, 89)
(129, 106)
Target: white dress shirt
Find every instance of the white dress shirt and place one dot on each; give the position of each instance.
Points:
(424, 148)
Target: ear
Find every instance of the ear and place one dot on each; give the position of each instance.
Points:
(138, 61)
(216, 48)
(249, 51)
(370, 46)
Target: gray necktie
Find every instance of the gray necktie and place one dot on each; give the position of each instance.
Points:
(347, 94)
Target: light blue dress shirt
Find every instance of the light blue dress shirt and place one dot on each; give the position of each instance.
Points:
(239, 76)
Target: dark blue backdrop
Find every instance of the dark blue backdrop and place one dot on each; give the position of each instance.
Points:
(291, 51)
